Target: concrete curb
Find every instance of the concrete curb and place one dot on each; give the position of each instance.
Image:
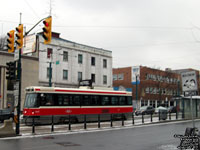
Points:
(7, 129)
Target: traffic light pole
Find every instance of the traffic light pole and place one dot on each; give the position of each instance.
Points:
(33, 27)
(50, 74)
(19, 69)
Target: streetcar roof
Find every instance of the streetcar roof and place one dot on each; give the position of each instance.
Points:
(39, 89)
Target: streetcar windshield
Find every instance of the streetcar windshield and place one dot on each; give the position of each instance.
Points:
(31, 100)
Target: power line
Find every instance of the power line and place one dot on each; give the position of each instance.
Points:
(32, 9)
(152, 44)
(108, 26)
(126, 27)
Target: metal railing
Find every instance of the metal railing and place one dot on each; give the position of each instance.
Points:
(133, 120)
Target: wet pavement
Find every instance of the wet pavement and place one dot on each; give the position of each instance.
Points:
(146, 137)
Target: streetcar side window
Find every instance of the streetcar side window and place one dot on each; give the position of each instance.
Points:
(49, 100)
(63, 100)
(66, 100)
(105, 100)
(46, 100)
(122, 100)
(95, 100)
(76, 101)
(114, 100)
(60, 100)
(129, 100)
(86, 100)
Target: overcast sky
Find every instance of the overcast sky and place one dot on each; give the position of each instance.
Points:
(154, 33)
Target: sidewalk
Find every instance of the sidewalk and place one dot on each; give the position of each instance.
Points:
(47, 129)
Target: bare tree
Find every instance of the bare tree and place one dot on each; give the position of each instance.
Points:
(166, 84)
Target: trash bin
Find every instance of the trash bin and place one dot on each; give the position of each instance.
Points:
(163, 114)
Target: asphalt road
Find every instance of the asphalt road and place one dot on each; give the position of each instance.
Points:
(149, 137)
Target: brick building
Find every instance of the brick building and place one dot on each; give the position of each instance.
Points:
(155, 87)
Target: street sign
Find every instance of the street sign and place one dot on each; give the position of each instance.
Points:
(30, 44)
(189, 81)
(16, 55)
(16, 94)
(85, 83)
(57, 62)
(135, 75)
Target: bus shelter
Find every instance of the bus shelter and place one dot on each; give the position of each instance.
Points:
(187, 107)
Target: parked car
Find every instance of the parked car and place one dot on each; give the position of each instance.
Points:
(145, 110)
(160, 108)
(5, 114)
(172, 109)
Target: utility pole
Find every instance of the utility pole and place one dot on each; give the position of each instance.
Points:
(18, 82)
(50, 71)
(50, 74)
(136, 94)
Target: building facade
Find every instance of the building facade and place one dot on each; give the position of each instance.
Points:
(72, 62)
(30, 73)
(154, 87)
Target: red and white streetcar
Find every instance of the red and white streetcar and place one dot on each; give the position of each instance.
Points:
(44, 102)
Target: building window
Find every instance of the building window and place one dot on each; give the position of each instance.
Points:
(114, 77)
(121, 76)
(104, 63)
(164, 91)
(93, 61)
(93, 78)
(79, 76)
(142, 102)
(65, 74)
(154, 90)
(104, 79)
(65, 56)
(49, 52)
(151, 90)
(157, 90)
(80, 58)
(154, 104)
(147, 90)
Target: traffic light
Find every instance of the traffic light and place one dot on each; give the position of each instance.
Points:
(11, 41)
(11, 70)
(8, 70)
(20, 36)
(47, 30)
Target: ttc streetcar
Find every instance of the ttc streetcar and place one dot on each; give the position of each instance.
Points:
(41, 103)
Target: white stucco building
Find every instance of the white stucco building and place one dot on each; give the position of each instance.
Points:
(73, 61)
(70, 63)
